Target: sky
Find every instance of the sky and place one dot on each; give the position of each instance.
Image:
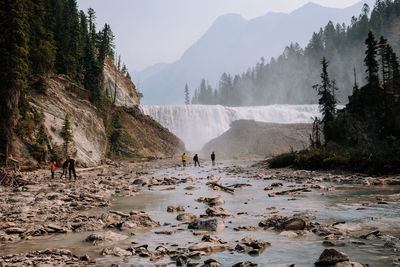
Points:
(159, 31)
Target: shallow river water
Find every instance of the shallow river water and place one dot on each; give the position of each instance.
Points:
(343, 204)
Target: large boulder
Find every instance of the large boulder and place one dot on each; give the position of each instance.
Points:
(331, 256)
(294, 224)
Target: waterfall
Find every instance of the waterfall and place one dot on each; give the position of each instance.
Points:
(195, 125)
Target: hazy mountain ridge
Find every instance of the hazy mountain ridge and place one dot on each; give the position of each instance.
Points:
(232, 44)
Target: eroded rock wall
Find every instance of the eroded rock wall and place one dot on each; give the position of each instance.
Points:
(125, 93)
(90, 136)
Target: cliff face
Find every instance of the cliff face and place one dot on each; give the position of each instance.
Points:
(96, 134)
(118, 87)
(137, 136)
(90, 136)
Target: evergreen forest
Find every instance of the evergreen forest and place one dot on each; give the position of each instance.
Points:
(289, 78)
(365, 135)
(40, 38)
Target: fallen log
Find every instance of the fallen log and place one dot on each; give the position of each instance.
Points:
(12, 178)
(284, 192)
(223, 188)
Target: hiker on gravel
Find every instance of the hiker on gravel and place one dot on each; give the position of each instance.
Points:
(196, 160)
(53, 169)
(213, 158)
(184, 160)
(65, 168)
(71, 167)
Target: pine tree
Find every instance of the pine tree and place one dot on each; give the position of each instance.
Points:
(13, 66)
(41, 41)
(92, 24)
(394, 65)
(383, 51)
(187, 101)
(327, 101)
(66, 134)
(105, 44)
(370, 59)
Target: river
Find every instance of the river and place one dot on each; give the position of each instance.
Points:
(354, 206)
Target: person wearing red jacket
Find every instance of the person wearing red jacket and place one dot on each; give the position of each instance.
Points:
(53, 169)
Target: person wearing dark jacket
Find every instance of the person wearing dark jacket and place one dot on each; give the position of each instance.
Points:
(213, 158)
(65, 168)
(71, 167)
(196, 160)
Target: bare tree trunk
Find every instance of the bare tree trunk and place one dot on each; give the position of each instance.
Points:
(6, 154)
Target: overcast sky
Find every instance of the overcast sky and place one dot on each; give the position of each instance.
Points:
(154, 31)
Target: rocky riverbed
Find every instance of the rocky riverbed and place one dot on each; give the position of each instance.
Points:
(238, 213)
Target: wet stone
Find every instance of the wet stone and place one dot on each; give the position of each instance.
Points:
(186, 217)
(207, 224)
(331, 256)
(176, 209)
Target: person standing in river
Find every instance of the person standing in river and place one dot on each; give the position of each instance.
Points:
(196, 160)
(71, 167)
(184, 160)
(213, 158)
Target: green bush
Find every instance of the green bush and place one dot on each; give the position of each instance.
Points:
(283, 160)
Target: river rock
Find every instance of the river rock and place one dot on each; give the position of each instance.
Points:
(163, 187)
(212, 201)
(108, 236)
(141, 219)
(176, 209)
(165, 232)
(331, 256)
(140, 182)
(211, 263)
(289, 234)
(246, 227)
(116, 251)
(141, 251)
(284, 223)
(186, 217)
(245, 264)
(294, 224)
(15, 230)
(217, 212)
(372, 235)
(192, 188)
(251, 245)
(207, 224)
(209, 247)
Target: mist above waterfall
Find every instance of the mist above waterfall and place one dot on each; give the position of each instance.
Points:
(195, 125)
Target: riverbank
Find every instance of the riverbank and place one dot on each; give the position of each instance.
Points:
(145, 213)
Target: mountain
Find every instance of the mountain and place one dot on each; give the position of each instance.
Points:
(232, 44)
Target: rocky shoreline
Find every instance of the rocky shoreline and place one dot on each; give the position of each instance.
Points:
(44, 207)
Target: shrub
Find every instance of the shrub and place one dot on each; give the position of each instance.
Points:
(283, 160)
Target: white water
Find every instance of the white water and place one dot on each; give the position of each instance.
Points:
(195, 125)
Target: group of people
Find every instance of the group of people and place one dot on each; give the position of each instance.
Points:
(68, 165)
(196, 159)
